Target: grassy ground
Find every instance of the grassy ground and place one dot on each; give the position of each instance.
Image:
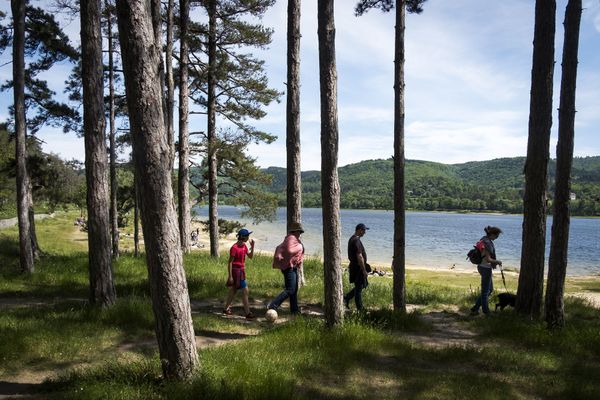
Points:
(47, 330)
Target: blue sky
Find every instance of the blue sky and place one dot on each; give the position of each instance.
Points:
(468, 68)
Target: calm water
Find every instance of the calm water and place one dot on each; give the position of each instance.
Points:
(435, 240)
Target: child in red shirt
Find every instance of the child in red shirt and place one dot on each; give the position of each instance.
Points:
(237, 274)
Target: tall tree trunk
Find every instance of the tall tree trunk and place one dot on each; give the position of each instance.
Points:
(156, 11)
(330, 189)
(213, 215)
(102, 289)
(557, 266)
(114, 214)
(294, 183)
(23, 186)
(136, 219)
(183, 188)
(168, 286)
(531, 277)
(35, 245)
(399, 285)
(170, 82)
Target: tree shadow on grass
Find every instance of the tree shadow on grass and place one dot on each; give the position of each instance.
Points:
(8, 388)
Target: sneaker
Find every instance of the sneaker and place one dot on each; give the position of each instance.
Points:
(474, 313)
(227, 311)
(250, 316)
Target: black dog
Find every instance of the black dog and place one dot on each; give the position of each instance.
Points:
(505, 299)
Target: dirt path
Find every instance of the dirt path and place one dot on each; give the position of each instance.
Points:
(447, 329)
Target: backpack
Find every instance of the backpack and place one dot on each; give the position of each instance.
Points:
(474, 255)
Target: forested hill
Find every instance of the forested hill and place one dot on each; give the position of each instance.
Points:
(495, 185)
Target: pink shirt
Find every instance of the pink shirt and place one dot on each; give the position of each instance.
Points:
(239, 255)
(289, 254)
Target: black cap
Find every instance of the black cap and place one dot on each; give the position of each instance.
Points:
(361, 226)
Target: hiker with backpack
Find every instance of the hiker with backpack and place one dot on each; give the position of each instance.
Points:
(487, 251)
(236, 271)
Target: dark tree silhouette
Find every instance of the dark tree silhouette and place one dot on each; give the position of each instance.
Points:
(330, 187)
(23, 183)
(414, 6)
(531, 277)
(183, 187)
(557, 265)
(168, 285)
(102, 289)
(294, 184)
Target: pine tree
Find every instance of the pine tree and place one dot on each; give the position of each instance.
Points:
(557, 265)
(330, 187)
(294, 171)
(102, 289)
(23, 186)
(414, 6)
(168, 285)
(531, 276)
(229, 84)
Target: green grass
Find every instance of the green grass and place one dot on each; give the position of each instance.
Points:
(46, 325)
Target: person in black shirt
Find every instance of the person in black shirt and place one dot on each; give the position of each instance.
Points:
(358, 267)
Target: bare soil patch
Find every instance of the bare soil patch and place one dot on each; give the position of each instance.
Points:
(448, 329)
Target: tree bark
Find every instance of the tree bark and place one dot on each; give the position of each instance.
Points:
(170, 82)
(399, 284)
(213, 215)
(102, 289)
(557, 266)
(23, 185)
(531, 277)
(114, 214)
(168, 286)
(294, 183)
(35, 245)
(183, 188)
(330, 189)
(136, 220)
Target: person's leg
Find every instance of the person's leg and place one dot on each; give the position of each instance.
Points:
(294, 309)
(486, 289)
(230, 296)
(285, 293)
(348, 296)
(245, 300)
(475, 308)
(358, 287)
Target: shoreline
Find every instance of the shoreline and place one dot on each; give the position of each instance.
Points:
(225, 244)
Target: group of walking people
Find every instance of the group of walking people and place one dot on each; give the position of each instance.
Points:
(289, 257)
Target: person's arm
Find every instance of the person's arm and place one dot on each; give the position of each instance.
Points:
(361, 263)
(229, 267)
(488, 258)
(251, 251)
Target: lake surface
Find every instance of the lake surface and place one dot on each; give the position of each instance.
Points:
(433, 239)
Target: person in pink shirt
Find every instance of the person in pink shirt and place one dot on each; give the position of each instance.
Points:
(288, 257)
(237, 273)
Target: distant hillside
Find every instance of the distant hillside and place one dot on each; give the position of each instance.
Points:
(494, 185)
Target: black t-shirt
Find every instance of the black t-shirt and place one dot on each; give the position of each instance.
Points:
(355, 247)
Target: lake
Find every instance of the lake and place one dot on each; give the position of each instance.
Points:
(433, 239)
